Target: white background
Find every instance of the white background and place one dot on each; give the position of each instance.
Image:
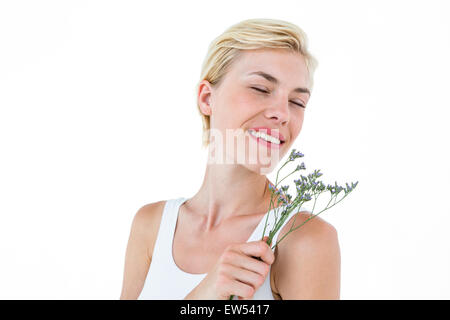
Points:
(98, 117)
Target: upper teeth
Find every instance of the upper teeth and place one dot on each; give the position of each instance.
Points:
(264, 136)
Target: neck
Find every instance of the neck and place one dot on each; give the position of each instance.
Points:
(229, 191)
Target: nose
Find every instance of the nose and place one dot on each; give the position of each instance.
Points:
(278, 113)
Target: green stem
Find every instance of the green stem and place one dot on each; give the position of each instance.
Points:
(279, 223)
(275, 189)
(287, 176)
(295, 217)
(267, 216)
(296, 203)
(314, 205)
(311, 217)
(271, 197)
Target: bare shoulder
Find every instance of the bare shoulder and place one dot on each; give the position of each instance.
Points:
(313, 234)
(146, 223)
(308, 259)
(141, 241)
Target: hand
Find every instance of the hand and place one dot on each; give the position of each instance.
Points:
(240, 270)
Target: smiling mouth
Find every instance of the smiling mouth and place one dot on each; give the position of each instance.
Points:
(265, 137)
(266, 140)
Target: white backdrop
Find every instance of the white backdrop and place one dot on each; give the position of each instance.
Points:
(98, 117)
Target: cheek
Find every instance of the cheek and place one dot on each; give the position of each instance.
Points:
(232, 112)
(241, 101)
(242, 106)
(297, 123)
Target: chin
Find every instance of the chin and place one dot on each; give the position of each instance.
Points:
(263, 164)
(261, 169)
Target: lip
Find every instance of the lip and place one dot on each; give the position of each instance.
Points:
(267, 143)
(272, 132)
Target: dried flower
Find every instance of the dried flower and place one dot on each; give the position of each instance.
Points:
(306, 188)
(294, 155)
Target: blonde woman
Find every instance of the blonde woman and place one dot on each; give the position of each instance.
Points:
(256, 81)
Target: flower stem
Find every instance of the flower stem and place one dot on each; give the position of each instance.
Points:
(267, 216)
(287, 176)
(311, 217)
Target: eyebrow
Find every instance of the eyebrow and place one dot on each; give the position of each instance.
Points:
(276, 81)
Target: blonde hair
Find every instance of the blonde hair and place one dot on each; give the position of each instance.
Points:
(247, 35)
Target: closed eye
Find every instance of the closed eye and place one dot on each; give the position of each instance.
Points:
(260, 90)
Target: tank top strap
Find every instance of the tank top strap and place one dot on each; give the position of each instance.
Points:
(164, 280)
(163, 244)
(272, 216)
(265, 291)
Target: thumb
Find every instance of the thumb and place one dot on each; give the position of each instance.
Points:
(265, 239)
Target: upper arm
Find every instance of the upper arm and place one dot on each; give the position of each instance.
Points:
(144, 229)
(309, 261)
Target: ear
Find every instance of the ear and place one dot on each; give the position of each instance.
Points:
(204, 97)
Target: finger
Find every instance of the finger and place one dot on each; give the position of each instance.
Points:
(240, 289)
(253, 279)
(258, 249)
(241, 260)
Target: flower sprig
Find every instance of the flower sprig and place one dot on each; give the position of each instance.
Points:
(307, 188)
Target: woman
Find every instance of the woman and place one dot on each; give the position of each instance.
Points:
(257, 76)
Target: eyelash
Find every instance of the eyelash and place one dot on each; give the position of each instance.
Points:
(263, 91)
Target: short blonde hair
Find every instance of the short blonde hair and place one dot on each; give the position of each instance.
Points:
(247, 35)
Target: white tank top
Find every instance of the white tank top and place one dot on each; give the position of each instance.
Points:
(165, 281)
